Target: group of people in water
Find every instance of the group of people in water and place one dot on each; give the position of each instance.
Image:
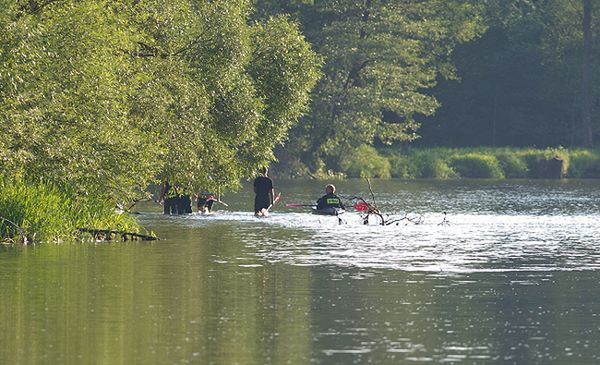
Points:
(175, 201)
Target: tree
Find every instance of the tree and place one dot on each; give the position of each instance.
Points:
(63, 105)
(111, 95)
(524, 75)
(380, 57)
(586, 104)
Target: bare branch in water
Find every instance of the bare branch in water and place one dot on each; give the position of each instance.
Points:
(369, 209)
(24, 238)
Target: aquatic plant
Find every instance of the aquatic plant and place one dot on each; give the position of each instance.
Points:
(45, 211)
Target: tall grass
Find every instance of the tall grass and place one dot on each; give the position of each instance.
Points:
(48, 212)
(477, 165)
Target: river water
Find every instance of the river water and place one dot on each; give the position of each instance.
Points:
(512, 278)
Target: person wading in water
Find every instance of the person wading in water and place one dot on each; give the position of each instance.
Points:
(329, 200)
(263, 188)
(205, 202)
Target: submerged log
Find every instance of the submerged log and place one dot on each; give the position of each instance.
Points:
(24, 239)
(109, 235)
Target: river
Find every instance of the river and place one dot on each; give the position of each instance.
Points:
(512, 278)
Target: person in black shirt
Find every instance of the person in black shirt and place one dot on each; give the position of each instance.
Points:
(205, 202)
(263, 188)
(329, 200)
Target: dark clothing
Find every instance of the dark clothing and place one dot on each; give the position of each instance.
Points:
(329, 201)
(184, 205)
(205, 201)
(170, 206)
(181, 204)
(174, 201)
(263, 188)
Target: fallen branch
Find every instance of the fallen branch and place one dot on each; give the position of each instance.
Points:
(109, 235)
(21, 231)
(368, 209)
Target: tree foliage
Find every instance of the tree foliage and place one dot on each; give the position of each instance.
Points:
(521, 82)
(111, 95)
(380, 58)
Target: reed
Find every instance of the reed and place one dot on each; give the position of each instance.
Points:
(47, 212)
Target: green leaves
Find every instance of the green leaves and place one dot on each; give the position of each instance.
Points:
(380, 59)
(112, 95)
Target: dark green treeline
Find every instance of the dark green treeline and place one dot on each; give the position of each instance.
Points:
(446, 73)
(522, 82)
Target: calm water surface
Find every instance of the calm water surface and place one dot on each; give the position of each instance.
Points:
(513, 279)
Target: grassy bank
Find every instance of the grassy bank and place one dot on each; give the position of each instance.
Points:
(45, 212)
(482, 162)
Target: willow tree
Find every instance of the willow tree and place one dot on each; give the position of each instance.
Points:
(381, 57)
(64, 107)
(111, 95)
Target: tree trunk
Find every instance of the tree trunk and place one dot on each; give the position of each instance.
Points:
(586, 102)
(494, 115)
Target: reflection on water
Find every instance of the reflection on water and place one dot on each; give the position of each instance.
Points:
(512, 280)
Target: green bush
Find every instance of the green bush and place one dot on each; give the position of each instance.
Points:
(512, 165)
(430, 166)
(545, 163)
(474, 162)
(365, 161)
(47, 212)
(402, 167)
(584, 164)
(477, 165)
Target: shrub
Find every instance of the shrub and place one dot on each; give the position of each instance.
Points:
(402, 167)
(548, 163)
(430, 166)
(512, 165)
(477, 165)
(584, 164)
(365, 161)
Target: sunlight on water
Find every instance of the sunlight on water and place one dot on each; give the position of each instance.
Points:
(511, 279)
(467, 243)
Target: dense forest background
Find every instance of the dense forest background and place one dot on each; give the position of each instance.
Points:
(446, 73)
(521, 83)
(109, 96)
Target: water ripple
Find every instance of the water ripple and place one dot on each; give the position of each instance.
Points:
(470, 243)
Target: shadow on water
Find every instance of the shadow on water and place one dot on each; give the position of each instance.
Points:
(512, 279)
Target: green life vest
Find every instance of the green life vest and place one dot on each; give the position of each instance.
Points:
(333, 201)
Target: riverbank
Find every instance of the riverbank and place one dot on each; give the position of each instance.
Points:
(46, 212)
(456, 163)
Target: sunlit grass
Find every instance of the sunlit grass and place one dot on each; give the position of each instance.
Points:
(48, 212)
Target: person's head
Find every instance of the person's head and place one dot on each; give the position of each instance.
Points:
(329, 189)
(264, 170)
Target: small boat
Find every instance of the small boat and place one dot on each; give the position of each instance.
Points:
(328, 211)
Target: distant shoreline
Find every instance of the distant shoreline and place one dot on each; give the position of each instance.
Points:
(455, 163)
